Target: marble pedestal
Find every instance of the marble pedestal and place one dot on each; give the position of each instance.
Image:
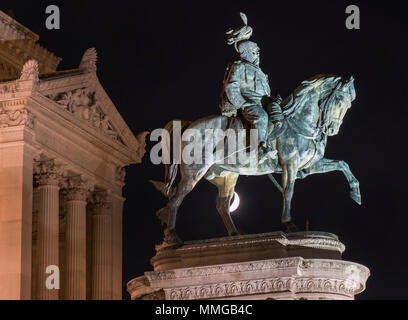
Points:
(304, 265)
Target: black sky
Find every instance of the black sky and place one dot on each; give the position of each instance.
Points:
(160, 61)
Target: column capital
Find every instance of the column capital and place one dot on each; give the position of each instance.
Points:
(47, 172)
(77, 188)
(100, 204)
(120, 175)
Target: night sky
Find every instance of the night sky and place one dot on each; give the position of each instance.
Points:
(160, 61)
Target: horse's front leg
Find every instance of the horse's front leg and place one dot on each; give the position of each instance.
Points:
(327, 165)
(289, 170)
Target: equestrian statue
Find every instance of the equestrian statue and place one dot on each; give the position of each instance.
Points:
(291, 136)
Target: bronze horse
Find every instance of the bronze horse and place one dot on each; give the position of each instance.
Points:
(314, 111)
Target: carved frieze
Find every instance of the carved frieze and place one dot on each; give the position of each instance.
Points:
(9, 87)
(84, 104)
(294, 275)
(262, 286)
(13, 118)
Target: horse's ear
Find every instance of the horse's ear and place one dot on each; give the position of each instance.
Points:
(349, 87)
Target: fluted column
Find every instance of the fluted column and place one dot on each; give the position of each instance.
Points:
(75, 270)
(101, 247)
(47, 177)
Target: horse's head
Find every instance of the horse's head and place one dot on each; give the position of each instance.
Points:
(337, 104)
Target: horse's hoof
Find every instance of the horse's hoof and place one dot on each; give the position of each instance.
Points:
(163, 215)
(171, 237)
(355, 195)
(290, 227)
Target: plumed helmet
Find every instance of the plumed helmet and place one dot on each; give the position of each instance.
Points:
(239, 36)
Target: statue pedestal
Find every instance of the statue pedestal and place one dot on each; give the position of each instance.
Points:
(303, 265)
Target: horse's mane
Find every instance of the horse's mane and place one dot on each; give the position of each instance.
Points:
(323, 83)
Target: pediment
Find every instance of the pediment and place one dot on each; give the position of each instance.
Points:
(81, 96)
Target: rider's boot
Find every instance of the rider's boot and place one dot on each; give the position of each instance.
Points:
(265, 152)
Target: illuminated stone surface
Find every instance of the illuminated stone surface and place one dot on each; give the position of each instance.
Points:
(67, 118)
(267, 266)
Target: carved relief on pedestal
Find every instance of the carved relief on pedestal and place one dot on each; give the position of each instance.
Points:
(294, 275)
(83, 103)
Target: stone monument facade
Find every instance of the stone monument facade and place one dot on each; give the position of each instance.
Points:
(63, 152)
(274, 266)
(292, 137)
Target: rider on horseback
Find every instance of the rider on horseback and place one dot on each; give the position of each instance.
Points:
(246, 88)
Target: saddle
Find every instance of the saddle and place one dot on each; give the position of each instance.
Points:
(240, 121)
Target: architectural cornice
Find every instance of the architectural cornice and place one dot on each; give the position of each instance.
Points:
(294, 275)
(10, 29)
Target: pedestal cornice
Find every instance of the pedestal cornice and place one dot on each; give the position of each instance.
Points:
(242, 248)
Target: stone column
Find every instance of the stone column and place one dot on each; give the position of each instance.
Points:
(16, 188)
(75, 274)
(117, 228)
(117, 225)
(101, 247)
(47, 176)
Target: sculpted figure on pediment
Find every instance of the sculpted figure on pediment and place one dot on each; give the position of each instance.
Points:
(83, 103)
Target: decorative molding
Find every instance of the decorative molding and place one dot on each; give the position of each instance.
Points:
(239, 248)
(9, 87)
(207, 271)
(144, 291)
(89, 60)
(30, 71)
(13, 118)
(10, 29)
(255, 266)
(252, 287)
(295, 275)
(324, 244)
(317, 243)
(17, 44)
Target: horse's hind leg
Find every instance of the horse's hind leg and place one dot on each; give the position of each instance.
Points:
(188, 181)
(226, 187)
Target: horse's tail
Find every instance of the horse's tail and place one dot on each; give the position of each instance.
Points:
(171, 170)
